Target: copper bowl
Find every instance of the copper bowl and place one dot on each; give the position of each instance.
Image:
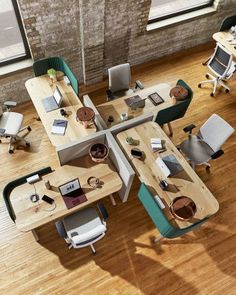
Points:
(183, 208)
(98, 152)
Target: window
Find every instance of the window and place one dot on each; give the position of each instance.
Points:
(163, 9)
(13, 44)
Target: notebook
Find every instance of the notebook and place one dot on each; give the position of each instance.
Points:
(59, 127)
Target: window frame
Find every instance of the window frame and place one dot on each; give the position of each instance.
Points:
(169, 16)
(23, 36)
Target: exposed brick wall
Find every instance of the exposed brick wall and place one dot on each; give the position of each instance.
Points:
(93, 35)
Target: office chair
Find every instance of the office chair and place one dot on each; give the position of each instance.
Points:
(162, 223)
(226, 24)
(83, 228)
(41, 67)
(206, 145)
(223, 66)
(175, 111)
(119, 82)
(10, 125)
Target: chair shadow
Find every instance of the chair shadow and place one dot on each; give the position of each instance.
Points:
(123, 261)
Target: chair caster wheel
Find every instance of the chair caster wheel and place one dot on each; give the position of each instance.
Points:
(212, 94)
(0, 141)
(29, 128)
(27, 144)
(207, 76)
(199, 85)
(11, 151)
(208, 169)
(226, 90)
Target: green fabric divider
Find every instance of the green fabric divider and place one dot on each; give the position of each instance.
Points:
(41, 67)
(164, 226)
(177, 110)
(11, 185)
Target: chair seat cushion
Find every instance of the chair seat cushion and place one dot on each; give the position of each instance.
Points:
(11, 122)
(196, 150)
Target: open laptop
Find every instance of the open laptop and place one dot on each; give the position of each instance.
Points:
(72, 193)
(52, 103)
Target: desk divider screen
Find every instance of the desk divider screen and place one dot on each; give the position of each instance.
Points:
(98, 119)
(78, 148)
(131, 123)
(122, 165)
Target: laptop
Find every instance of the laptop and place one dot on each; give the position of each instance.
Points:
(72, 193)
(52, 103)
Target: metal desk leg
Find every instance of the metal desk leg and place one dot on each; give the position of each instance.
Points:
(35, 235)
(112, 200)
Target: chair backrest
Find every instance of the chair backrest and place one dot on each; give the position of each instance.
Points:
(227, 23)
(84, 227)
(215, 131)
(220, 61)
(41, 66)
(119, 77)
(166, 229)
(177, 110)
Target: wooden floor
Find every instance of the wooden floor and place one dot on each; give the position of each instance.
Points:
(126, 262)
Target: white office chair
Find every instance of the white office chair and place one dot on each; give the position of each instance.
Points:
(222, 66)
(83, 228)
(206, 145)
(119, 81)
(10, 125)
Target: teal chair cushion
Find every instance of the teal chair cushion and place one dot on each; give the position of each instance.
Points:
(176, 111)
(164, 226)
(11, 185)
(41, 67)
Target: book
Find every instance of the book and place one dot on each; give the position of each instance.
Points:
(156, 144)
(155, 98)
(135, 102)
(59, 127)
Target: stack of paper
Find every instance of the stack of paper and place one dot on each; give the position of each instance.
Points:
(156, 144)
(59, 127)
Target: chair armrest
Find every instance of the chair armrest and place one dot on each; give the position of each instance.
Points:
(189, 128)
(138, 84)
(102, 211)
(217, 154)
(110, 94)
(10, 104)
(61, 229)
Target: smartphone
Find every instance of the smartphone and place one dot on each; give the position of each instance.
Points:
(136, 153)
(47, 199)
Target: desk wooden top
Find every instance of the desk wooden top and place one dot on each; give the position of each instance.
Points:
(185, 183)
(32, 215)
(41, 87)
(224, 39)
(118, 106)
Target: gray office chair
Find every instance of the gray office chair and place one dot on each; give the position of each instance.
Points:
(83, 228)
(226, 24)
(222, 66)
(119, 82)
(206, 145)
(10, 125)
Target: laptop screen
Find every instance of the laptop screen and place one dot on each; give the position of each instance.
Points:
(58, 96)
(69, 187)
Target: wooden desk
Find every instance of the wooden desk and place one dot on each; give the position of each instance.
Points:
(118, 106)
(223, 38)
(32, 215)
(185, 183)
(41, 87)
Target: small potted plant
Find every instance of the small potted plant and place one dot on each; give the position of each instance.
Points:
(52, 74)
